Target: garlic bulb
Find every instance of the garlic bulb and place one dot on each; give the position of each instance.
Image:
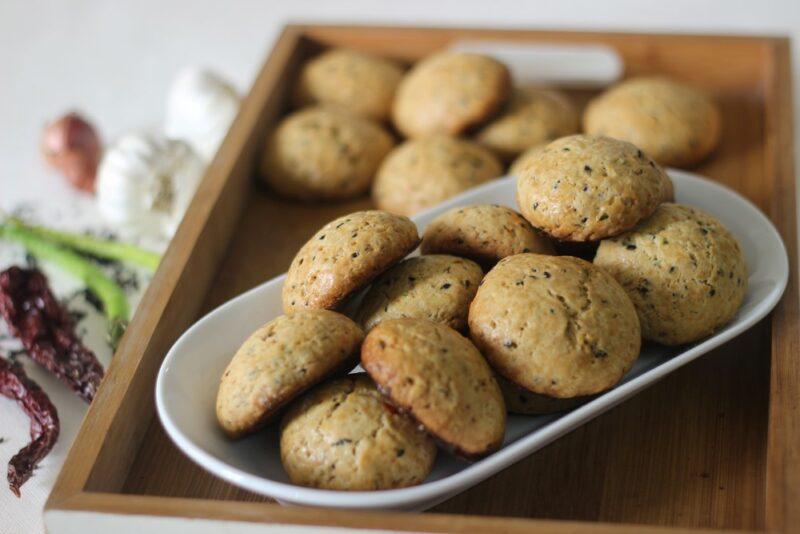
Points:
(145, 183)
(200, 109)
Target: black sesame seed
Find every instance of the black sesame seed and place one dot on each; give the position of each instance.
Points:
(510, 345)
(445, 286)
(587, 169)
(354, 255)
(630, 246)
(547, 274)
(598, 353)
(604, 216)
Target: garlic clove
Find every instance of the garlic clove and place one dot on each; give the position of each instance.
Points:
(200, 109)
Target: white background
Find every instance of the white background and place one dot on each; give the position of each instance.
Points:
(114, 62)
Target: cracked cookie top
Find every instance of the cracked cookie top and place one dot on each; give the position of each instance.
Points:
(279, 361)
(439, 377)
(344, 436)
(683, 270)
(555, 325)
(586, 188)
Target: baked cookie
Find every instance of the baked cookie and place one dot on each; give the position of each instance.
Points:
(323, 154)
(345, 255)
(523, 402)
(423, 172)
(555, 325)
(438, 288)
(449, 93)
(434, 373)
(281, 360)
(532, 117)
(683, 270)
(485, 233)
(352, 81)
(343, 436)
(585, 188)
(674, 123)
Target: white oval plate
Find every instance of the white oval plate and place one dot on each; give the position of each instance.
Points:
(188, 379)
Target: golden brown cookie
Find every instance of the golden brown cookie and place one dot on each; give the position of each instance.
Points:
(586, 188)
(532, 117)
(438, 288)
(439, 377)
(450, 92)
(349, 80)
(555, 325)
(281, 360)
(485, 233)
(674, 123)
(423, 172)
(683, 270)
(322, 154)
(345, 255)
(343, 436)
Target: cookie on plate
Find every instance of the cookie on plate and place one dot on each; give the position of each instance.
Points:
(279, 361)
(533, 117)
(555, 325)
(323, 154)
(438, 288)
(345, 255)
(421, 173)
(683, 270)
(438, 376)
(351, 81)
(674, 123)
(485, 233)
(449, 93)
(343, 436)
(586, 188)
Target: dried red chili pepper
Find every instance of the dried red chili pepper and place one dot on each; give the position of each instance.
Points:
(16, 385)
(46, 330)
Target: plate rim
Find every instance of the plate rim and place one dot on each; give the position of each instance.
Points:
(437, 490)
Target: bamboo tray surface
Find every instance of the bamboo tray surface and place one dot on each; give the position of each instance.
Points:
(716, 444)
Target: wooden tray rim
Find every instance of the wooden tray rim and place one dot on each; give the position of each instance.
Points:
(71, 492)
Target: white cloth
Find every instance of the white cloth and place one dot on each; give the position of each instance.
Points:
(114, 61)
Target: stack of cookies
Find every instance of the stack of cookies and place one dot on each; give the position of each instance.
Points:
(498, 314)
(460, 121)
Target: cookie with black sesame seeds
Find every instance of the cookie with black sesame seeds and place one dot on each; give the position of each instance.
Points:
(324, 154)
(438, 288)
(534, 116)
(555, 325)
(438, 376)
(587, 188)
(344, 436)
(421, 173)
(449, 93)
(279, 361)
(683, 270)
(345, 255)
(673, 122)
(485, 233)
(349, 80)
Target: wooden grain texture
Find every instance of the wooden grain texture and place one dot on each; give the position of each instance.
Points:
(716, 444)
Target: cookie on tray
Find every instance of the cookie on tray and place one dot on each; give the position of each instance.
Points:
(279, 361)
(555, 325)
(438, 376)
(438, 288)
(485, 233)
(349, 80)
(421, 173)
(449, 93)
(586, 188)
(344, 436)
(683, 270)
(533, 117)
(324, 154)
(345, 255)
(674, 123)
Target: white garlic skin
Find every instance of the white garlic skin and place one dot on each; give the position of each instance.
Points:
(145, 183)
(200, 109)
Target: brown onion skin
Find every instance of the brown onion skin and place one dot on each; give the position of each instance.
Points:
(71, 145)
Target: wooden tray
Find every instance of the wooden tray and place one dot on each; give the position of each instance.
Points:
(717, 444)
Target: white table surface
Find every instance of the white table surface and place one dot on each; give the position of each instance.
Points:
(114, 61)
